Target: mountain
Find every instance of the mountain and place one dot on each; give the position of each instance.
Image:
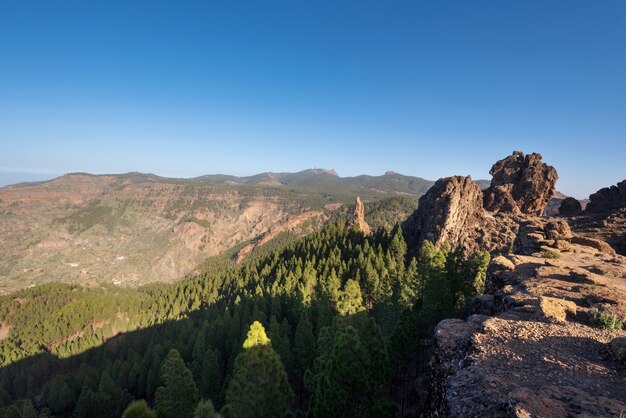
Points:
(134, 228)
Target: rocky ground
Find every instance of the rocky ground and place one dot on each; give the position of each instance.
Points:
(534, 348)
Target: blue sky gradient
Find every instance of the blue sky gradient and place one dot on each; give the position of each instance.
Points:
(429, 89)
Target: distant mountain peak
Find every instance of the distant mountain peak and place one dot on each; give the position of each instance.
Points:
(332, 171)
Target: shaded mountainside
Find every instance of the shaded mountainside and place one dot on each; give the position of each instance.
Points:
(136, 228)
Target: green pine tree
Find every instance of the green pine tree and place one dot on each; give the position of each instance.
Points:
(259, 387)
(178, 396)
(205, 409)
(350, 300)
(138, 409)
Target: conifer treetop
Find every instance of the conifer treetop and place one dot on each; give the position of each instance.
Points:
(256, 336)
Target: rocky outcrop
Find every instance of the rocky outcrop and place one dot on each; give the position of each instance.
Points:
(607, 199)
(451, 211)
(520, 184)
(604, 217)
(570, 207)
(455, 210)
(539, 355)
(359, 217)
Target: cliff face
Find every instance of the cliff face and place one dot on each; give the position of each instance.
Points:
(450, 211)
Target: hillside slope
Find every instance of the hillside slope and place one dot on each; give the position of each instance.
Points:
(136, 228)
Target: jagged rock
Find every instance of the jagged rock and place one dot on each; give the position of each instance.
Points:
(599, 245)
(570, 207)
(359, 217)
(520, 184)
(450, 211)
(607, 199)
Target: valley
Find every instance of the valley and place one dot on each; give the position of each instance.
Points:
(137, 228)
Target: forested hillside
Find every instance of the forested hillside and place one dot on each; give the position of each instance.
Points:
(325, 326)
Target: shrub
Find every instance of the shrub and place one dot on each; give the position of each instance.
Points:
(606, 320)
(551, 254)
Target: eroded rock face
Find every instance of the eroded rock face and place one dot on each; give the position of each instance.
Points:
(520, 184)
(359, 217)
(607, 199)
(570, 207)
(450, 211)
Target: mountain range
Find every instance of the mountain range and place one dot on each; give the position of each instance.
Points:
(134, 228)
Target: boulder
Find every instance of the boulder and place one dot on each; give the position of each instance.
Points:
(570, 207)
(451, 210)
(557, 229)
(520, 184)
(555, 310)
(607, 199)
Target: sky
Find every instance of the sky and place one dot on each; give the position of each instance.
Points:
(424, 88)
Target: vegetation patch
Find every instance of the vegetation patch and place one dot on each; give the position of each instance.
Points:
(606, 320)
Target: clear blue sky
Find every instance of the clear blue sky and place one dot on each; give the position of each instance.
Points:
(184, 88)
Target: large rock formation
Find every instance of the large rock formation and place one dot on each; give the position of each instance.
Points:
(450, 211)
(607, 199)
(359, 217)
(453, 210)
(570, 207)
(520, 184)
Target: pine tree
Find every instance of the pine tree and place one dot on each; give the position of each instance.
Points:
(211, 375)
(342, 385)
(259, 387)
(60, 396)
(138, 409)
(350, 300)
(87, 404)
(304, 350)
(178, 396)
(205, 409)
